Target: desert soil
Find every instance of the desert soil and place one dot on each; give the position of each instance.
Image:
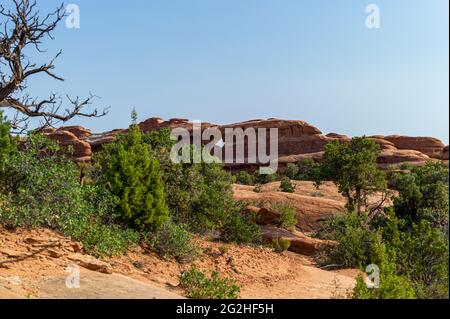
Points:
(33, 265)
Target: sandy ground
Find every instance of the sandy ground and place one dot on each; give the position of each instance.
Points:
(32, 263)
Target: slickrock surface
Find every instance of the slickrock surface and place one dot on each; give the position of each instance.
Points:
(33, 265)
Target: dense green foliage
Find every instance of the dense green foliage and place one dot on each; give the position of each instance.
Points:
(7, 144)
(423, 193)
(288, 215)
(352, 167)
(175, 241)
(266, 178)
(240, 227)
(198, 286)
(286, 185)
(410, 257)
(245, 178)
(308, 170)
(255, 178)
(200, 195)
(408, 242)
(40, 188)
(391, 284)
(291, 171)
(354, 238)
(132, 174)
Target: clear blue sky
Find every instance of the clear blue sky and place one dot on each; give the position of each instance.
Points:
(231, 60)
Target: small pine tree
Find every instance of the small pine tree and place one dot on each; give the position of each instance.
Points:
(132, 174)
(286, 185)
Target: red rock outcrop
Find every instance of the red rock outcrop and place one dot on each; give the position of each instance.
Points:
(339, 137)
(385, 145)
(79, 131)
(294, 137)
(392, 157)
(264, 216)
(427, 145)
(311, 205)
(152, 124)
(284, 160)
(74, 147)
(299, 243)
(297, 140)
(444, 155)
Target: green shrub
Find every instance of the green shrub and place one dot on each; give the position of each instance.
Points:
(288, 218)
(423, 256)
(44, 191)
(308, 170)
(200, 196)
(291, 171)
(413, 261)
(409, 242)
(354, 241)
(160, 141)
(213, 205)
(174, 241)
(40, 188)
(423, 194)
(99, 237)
(392, 285)
(241, 228)
(286, 185)
(132, 174)
(281, 245)
(258, 188)
(199, 286)
(7, 144)
(244, 178)
(438, 218)
(265, 178)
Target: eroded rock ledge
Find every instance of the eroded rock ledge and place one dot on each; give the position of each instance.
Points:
(297, 140)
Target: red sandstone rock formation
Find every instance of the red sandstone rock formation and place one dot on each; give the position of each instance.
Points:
(294, 137)
(392, 157)
(311, 205)
(74, 147)
(79, 131)
(339, 137)
(444, 155)
(427, 145)
(297, 140)
(384, 144)
(300, 243)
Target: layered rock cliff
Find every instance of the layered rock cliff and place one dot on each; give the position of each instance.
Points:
(297, 140)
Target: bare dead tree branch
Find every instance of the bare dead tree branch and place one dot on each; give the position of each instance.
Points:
(22, 27)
